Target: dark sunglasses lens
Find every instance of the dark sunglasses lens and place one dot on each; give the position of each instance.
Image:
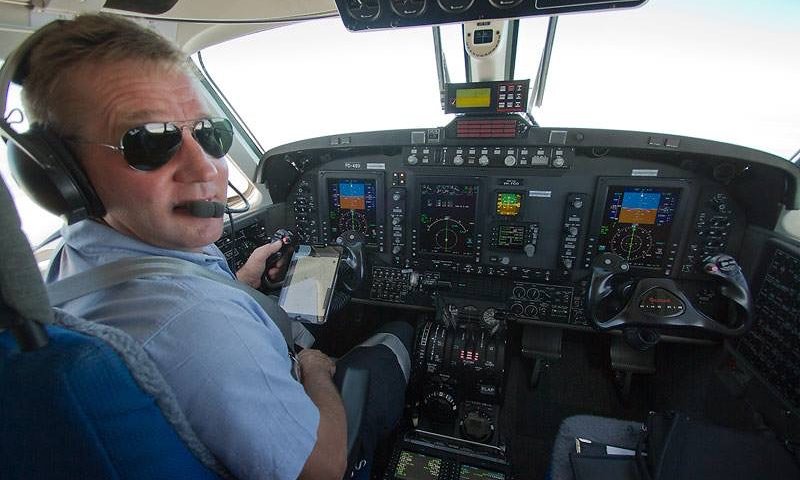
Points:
(215, 135)
(151, 146)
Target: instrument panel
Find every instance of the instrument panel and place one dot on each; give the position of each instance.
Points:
(514, 221)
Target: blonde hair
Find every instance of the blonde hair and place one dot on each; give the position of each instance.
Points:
(86, 40)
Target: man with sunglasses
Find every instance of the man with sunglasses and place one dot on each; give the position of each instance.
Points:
(122, 100)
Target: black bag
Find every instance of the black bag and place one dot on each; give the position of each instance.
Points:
(682, 448)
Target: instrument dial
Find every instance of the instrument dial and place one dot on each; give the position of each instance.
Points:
(366, 10)
(455, 6)
(448, 234)
(632, 242)
(353, 220)
(505, 3)
(408, 8)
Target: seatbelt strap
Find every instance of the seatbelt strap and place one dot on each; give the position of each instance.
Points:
(123, 270)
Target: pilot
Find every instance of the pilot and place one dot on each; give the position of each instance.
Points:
(124, 101)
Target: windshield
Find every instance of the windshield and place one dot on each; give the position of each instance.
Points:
(716, 69)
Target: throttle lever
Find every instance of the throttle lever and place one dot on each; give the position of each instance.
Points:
(289, 240)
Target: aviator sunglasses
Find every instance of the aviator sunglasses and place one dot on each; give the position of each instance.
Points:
(150, 146)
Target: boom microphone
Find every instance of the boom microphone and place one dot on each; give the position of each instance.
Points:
(204, 209)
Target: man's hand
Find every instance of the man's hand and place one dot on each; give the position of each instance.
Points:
(328, 459)
(253, 269)
(314, 363)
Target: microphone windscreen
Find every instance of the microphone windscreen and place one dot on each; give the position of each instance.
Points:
(203, 209)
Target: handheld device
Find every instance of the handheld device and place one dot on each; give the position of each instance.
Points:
(309, 285)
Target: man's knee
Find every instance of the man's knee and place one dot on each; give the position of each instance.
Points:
(395, 339)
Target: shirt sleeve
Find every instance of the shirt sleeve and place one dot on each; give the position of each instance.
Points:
(229, 367)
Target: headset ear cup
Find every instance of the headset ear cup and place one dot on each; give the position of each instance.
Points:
(56, 181)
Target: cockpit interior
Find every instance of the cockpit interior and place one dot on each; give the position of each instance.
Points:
(548, 270)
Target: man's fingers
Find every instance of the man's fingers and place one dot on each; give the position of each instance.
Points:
(264, 251)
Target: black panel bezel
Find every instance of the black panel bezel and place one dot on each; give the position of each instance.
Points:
(480, 226)
(324, 201)
(686, 206)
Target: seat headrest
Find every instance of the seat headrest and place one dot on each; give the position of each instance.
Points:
(21, 286)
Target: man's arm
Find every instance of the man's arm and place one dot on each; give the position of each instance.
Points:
(328, 459)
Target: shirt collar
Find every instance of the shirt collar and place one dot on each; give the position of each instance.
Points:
(99, 243)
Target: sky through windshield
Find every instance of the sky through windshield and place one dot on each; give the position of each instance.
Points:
(722, 70)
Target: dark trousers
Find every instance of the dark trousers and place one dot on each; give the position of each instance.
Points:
(386, 392)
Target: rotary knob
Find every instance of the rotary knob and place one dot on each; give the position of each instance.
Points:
(559, 162)
(530, 249)
(440, 405)
(412, 160)
(458, 160)
(477, 426)
(483, 160)
(510, 160)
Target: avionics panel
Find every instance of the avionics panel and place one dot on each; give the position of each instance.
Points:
(640, 220)
(353, 202)
(448, 212)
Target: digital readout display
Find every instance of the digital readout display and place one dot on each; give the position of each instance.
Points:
(473, 97)
(447, 218)
(483, 36)
(510, 236)
(508, 204)
(637, 223)
(416, 466)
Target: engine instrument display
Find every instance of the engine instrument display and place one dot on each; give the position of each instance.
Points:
(353, 206)
(508, 204)
(447, 218)
(637, 222)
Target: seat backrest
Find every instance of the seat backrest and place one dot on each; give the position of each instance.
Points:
(70, 407)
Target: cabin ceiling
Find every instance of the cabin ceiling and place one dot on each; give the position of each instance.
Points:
(193, 24)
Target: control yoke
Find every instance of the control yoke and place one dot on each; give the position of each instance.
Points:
(658, 303)
(353, 245)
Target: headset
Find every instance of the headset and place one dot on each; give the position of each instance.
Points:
(43, 164)
(40, 161)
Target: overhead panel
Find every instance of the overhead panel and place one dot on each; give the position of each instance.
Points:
(359, 15)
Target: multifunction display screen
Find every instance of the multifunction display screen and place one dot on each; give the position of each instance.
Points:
(447, 218)
(353, 206)
(416, 466)
(469, 472)
(511, 236)
(637, 223)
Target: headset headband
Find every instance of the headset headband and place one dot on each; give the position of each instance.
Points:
(41, 162)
